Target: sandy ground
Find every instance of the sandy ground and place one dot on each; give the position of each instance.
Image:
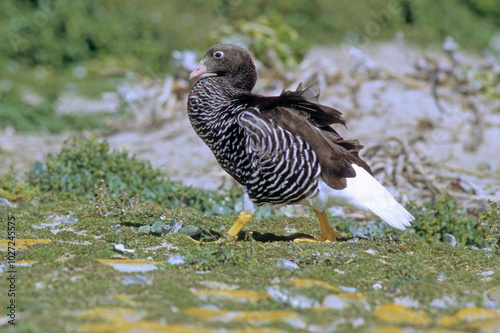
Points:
(376, 92)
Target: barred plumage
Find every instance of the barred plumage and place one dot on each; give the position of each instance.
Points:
(281, 149)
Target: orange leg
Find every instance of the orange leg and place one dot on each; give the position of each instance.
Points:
(327, 233)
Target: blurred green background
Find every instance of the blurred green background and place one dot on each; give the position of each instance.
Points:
(54, 45)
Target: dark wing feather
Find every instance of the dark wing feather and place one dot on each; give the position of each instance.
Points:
(304, 101)
(296, 112)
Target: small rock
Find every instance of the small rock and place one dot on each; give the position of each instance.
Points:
(286, 264)
(218, 285)
(136, 279)
(296, 323)
(377, 286)
(407, 302)
(357, 322)
(443, 302)
(121, 248)
(334, 302)
(488, 304)
(176, 259)
(493, 295)
(210, 307)
(353, 240)
(284, 296)
(348, 289)
(438, 303)
(486, 273)
(449, 239)
(40, 286)
(5, 202)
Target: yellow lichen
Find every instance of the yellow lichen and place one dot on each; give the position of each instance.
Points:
(469, 315)
(247, 296)
(398, 314)
(308, 283)
(252, 317)
(21, 244)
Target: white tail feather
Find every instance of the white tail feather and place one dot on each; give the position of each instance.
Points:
(365, 193)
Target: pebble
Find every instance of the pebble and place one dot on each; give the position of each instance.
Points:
(163, 245)
(357, 322)
(334, 302)
(438, 303)
(491, 298)
(407, 301)
(286, 264)
(218, 285)
(284, 296)
(136, 279)
(377, 286)
(121, 248)
(486, 273)
(493, 294)
(176, 259)
(5, 202)
(449, 239)
(348, 289)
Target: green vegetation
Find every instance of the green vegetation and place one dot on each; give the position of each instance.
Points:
(62, 33)
(85, 166)
(68, 279)
(88, 46)
(490, 221)
(434, 220)
(69, 276)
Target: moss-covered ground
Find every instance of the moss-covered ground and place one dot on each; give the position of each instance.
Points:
(72, 275)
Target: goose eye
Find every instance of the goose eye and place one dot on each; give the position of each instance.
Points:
(218, 54)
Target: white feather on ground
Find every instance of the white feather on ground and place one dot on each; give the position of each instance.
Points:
(365, 193)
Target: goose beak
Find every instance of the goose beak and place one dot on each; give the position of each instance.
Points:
(199, 70)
